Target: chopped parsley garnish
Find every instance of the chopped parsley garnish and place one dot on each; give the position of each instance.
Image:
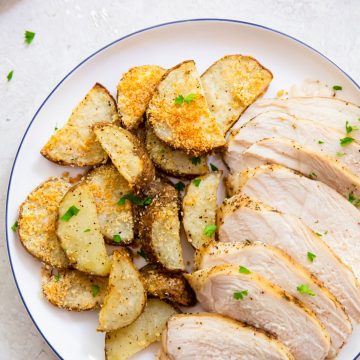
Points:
(142, 253)
(305, 290)
(350, 128)
(318, 234)
(346, 141)
(244, 270)
(195, 160)
(239, 295)
(117, 238)
(320, 142)
(209, 230)
(29, 36)
(180, 186)
(136, 200)
(337, 87)
(355, 201)
(57, 277)
(95, 289)
(213, 167)
(87, 230)
(196, 182)
(311, 257)
(72, 211)
(187, 99)
(312, 175)
(56, 128)
(15, 226)
(10, 75)
(340, 154)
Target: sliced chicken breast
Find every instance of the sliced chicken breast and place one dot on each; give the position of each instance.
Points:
(256, 301)
(242, 219)
(211, 336)
(321, 208)
(302, 159)
(280, 269)
(307, 133)
(328, 112)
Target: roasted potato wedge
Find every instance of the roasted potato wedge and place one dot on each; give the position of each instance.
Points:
(231, 84)
(79, 232)
(75, 143)
(73, 290)
(37, 222)
(134, 92)
(159, 226)
(107, 187)
(199, 209)
(125, 296)
(123, 343)
(179, 115)
(167, 286)
(173, 162)
(127, 154)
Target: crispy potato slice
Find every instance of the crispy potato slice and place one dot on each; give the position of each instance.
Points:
(73, 290)
(108, 186)
(75, 143)
(127, 154)
(37, 222)
(179, 114)
(173, 162)
(79, 231)
(199, 208)
(231, 84)
(123, 343)
(167, 286)
(134, 92)
(159, 226)
(126, 295)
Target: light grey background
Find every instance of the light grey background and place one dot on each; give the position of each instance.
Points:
(68, 31)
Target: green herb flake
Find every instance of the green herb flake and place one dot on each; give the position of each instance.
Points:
(15, 226)
(29, 36)
(311, 257)
(136, 200)
(196, 182)
(180, 186)
(239, 295)
(320, 142)
(209, 230)
(244, 270)
(56, 128)
(213, 167)
(57, 277)
(346, 141)
(10, 75)
(337, 87)
(340, 154)
(350, 128)
(87, 230)
(195, 160)
(305, 290)
(117, 238)
(180, 99)
(312, 176)
(95, 289)
(72, 211)
(351, 197)
(318, 234)
(142, 253)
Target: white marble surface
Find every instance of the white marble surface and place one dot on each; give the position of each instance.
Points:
(67, 31)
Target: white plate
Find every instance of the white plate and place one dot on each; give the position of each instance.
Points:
(73, 335)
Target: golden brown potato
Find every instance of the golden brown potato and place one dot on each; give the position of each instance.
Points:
(79, 232)
(125, 296)
(73, 290)
(167, 285)
(37, 222)
(75, 143)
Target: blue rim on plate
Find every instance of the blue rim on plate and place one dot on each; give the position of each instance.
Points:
(88, 58)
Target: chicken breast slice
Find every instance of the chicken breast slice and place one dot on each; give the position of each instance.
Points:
(256, 301)
(279, 268)
(212, 336)
(321, 208)
(307, 133)
(328, 112)
(253, 221)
